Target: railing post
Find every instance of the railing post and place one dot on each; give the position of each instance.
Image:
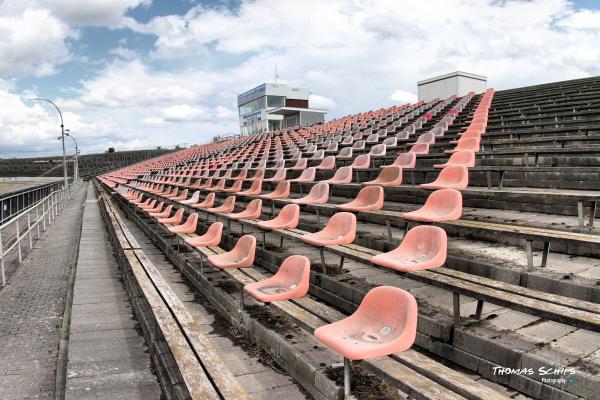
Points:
(2, 260)
(37, 219)
(29, 230)
(19, 242)
(44, 215)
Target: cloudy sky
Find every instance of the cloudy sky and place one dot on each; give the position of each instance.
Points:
(141, 73)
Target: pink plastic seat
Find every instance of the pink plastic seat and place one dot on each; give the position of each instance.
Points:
(466, 144)
(465, 158)
(319, 194)
(340, 229)
(241, 256)
(208, 202)
(308, 175)
(218, 187)
(327, 163)
(345, 154)
(192, 200)
(361, 162)
(441, 205)
(182, 196)
(342, 176)
(301, 163)
(378, 150)
(278, 176)
(175, 219)
(162, 214)
(389, 176)
(405, 160)
(282, 191)
(420, 148)
(253, 190)
(290, 282)
(252, 211)
(226, 207)
(384, 323)
(156, 209)
(423, 247)
(451, 177)
(211, 238)
(189, 226)
(241, 176)
(236, 187)
(258, 175)
(288, 218)
(369, 198)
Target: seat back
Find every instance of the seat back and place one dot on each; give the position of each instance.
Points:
(245, 247)
(454, 174)
(346, 152)
(289, 215)
(363, 161)
(342, 175)
(469, 144)
(420, 148)
(341, 225)
(464, 157)
(378, 150)
(370, 195)
(426, 241)
(319, 193)
(327, 163)
(308, 174)
(406, 160)
(446, 202)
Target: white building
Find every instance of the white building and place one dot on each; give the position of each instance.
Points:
(273, 106)
(455, 83)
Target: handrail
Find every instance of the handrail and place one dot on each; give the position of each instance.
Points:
(51, 206)
(7, 199)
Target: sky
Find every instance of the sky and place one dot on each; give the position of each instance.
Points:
(134, 74)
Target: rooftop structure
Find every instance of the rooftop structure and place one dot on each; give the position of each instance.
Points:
(273, 106)
(453, 84)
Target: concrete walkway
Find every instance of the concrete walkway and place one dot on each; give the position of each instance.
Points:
(32, 307)
(107, 356)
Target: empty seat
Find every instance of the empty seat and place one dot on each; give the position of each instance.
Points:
(405, 160)
(390, 142)
(319, 194)
(226, 207)
(345, 154)
(378, 150)
(423, 247)
(175, 219)
(441, 205)
(241, 256)
(451, 177)
(301, 163)
(327, 163)
(189, 226)
(288, 218)
(428, 138)
(241, 176)
(361, 162)
(384, 323)
(260, 174)
(369, 198)
(208, 202)
(254, 190)
(340, 229)
(308, 175)
(282, 191)
(211, 238)
(156, 209)
(218, 187)
(290, 282)
(236, 187)
(471, 143)
(192, 200)
(162, 214)
(252, 211)
(465, 158)
(318, 155)
(372, 139)
(278, 176)
(342, 175)
(420, 148)
(359, 145)
(389, 176)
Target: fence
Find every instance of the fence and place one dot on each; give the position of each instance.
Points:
(13, 204)
(30, 222)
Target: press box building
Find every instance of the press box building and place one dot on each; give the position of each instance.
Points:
(273, 106)
(453, 84)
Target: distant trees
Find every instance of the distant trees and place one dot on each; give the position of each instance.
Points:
(110, 150)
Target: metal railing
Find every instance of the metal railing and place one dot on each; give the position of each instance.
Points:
(30, 222)
(14, 203)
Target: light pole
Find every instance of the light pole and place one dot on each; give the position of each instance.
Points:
(76, 166)
(62, 129)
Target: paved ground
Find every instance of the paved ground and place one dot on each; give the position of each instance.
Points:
(108, 358)
(32, 306)
(8, 185)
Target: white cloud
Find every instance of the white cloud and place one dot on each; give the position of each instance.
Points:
(225, 113)
(124, 53)
(317, 101)
(32, 43)
(182, 112)
(403, 96)
(153, 121)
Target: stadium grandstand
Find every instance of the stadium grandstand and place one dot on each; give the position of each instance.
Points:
(444, 249)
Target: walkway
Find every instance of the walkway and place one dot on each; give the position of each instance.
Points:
(32, 306)
(107, 356)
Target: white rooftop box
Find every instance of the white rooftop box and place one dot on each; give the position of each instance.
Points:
(452, 84)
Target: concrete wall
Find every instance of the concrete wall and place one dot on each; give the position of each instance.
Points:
(454, 84)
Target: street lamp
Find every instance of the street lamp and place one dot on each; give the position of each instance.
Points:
(62, 129)
(76, 166)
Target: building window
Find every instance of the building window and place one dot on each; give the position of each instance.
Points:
(253, 106)
(275, 101)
